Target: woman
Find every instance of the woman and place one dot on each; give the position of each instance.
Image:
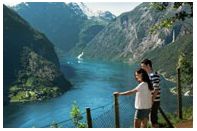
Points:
(143, 99)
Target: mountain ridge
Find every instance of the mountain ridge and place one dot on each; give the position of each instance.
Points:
(128, 37)
(57, 15)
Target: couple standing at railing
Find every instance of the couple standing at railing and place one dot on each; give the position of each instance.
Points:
(147, 100)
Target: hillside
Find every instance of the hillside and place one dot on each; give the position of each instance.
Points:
(165, 59)
(90, 29)
(58, 21)
(128, 37)
(66, 25)
(31, 67)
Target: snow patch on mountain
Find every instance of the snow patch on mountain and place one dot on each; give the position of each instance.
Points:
(96, 13)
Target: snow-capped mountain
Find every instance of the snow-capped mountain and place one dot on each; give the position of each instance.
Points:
(90, 13)
(106, 15)
(76, 8)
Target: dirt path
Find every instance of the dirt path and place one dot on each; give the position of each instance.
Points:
(185, 124)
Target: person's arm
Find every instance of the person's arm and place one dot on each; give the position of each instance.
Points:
(156, 91)
(126, 92)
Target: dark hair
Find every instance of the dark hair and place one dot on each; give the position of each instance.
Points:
(147, 62)
(145, 78)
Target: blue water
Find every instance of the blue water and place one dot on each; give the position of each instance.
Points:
(93, 85)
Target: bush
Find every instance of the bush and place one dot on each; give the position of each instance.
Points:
(77, 116)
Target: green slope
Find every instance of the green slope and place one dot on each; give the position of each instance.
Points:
(165, 59)
(31, 69)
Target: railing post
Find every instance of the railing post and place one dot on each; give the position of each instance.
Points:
(179, 94)
(116, 111)
(88, 117)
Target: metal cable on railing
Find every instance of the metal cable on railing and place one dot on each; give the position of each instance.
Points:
(69, 123)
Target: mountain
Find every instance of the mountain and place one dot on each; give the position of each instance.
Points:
(76, 8)
(128, 38)
(91, 14)
(90, 29)
(31, 67)
(62, 23)
(96, 22)
(107, 15)
(59, 21)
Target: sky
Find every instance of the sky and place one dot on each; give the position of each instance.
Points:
(114, 7)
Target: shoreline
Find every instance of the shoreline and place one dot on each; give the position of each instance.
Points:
(166, 78)
(173, 89)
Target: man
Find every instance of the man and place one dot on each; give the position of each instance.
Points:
(146, 64)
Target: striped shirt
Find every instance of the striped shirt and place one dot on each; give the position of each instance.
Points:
(155, 79)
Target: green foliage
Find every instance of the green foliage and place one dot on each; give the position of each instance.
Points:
(186, 69)
(35, 65)
(29, 81)
(18, 93)
(187, 115)
(36, 79)
(14, 88)
(159, 5)
(77, 116)
(170, 21)
(19, 96)
(166, 23)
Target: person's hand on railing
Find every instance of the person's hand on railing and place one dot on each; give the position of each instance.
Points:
(116, 93)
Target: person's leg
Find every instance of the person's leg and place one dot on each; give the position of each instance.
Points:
(155, 125)
(145, 117)
(144, 123)
(154, 114)
(137, 123)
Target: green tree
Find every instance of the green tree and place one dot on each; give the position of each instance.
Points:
(77, 116)
(186, 71)
(177, 7)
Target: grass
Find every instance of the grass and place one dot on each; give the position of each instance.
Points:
(187, 115)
